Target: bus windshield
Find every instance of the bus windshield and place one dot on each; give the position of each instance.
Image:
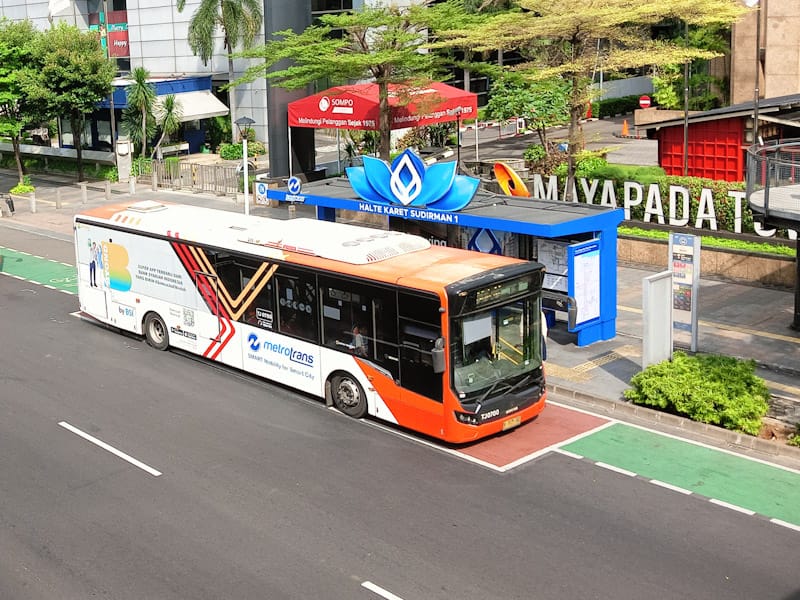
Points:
(494, 345)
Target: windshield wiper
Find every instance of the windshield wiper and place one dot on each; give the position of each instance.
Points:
(525, 379)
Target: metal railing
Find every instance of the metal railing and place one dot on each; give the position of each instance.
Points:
(773, 178)
(222, 180)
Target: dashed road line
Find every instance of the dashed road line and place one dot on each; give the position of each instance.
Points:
(380, 591)
(111, 449)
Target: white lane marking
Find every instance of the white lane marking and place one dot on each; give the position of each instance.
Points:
(616, 469)
(669, 486)
(568, 453)
(111, 449)
(785, 524)
(380, 591)
(680, 439)
(746, 511)
(552, 448)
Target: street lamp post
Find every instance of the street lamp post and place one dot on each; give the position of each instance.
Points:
(244, 123)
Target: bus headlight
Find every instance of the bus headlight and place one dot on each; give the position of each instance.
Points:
(467, 418)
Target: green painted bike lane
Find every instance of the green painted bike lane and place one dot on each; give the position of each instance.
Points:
(765, 489)
(39, 270)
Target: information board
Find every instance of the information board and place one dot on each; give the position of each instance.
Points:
(583, 261)
(684, 253)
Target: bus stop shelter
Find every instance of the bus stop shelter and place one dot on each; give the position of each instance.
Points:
(577, 243)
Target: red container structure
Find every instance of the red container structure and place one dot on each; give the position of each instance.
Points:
(716, 149)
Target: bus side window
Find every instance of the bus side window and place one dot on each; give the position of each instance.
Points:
(348, 303)
(297, 304)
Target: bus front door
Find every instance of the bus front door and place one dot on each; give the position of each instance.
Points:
(421, 385)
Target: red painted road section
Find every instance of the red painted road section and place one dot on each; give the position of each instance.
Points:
(554, 426)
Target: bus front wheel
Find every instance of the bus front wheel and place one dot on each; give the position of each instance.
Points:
(348, 396)
(155, 330)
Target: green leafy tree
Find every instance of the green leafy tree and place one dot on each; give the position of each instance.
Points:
(381, 43)
(542, 104)
(16, 53)
(137, 117)
(70, 73)
(168, 115)
(559, 39)
(705, 91)
(240, 22)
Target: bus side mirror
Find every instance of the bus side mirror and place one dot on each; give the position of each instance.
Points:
(437, 356)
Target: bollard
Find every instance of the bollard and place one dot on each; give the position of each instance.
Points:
(292, 210)
(58, 197)
(83, 192)
(132, 186)
(108, 190)
(154, 180)
(33, 202)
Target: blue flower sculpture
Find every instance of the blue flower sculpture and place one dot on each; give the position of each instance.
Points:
(410, 183)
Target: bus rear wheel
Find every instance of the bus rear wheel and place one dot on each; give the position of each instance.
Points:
(348, 396)
(155, 331)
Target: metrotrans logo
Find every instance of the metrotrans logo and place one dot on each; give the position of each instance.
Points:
(408, 182)
(267, 347)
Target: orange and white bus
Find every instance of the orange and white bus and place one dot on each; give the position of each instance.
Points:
(442, 341)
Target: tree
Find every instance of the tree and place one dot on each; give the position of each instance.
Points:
(705, 91)
(168, 114)
(542, 103)
(138, 114)
(559, 39)
(240, 21)
(16, 53)
(381, 43)
(70, 74)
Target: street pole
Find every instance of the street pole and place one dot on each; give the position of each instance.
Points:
(246, 178)
(686, 109)
(458, 140)
(756, 91)
(244, 123)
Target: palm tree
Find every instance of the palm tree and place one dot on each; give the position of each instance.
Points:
(168, 115)
(240, 21)
(141, 98)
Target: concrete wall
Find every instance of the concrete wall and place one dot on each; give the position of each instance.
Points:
(780, 22)
(619, 88)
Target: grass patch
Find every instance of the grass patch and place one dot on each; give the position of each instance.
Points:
(714, 242)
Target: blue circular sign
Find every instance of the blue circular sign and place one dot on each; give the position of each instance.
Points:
(295, 185)
(261, 188)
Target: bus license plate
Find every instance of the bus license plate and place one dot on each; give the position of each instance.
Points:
(512, 422)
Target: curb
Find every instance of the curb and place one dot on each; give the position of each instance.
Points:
(717, 436)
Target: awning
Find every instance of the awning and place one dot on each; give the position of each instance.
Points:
(356, 106)
(199, 105)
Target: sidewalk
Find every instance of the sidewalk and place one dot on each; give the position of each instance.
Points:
(737, 320)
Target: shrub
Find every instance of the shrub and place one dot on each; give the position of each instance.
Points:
(719, 390)
(794, 440)
(615, 106)
(234, 151)
(26, 187)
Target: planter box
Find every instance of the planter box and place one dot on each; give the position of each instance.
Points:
(726, 264)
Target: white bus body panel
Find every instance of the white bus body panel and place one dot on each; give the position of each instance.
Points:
(138, 274)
